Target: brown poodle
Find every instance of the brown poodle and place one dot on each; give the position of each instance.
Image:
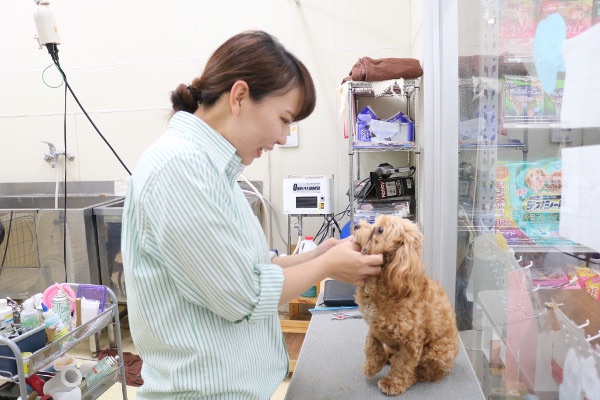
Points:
(411, 322)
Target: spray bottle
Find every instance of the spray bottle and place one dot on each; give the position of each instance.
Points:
(51, 319)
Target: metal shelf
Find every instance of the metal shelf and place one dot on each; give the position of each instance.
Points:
(44, 356)
(519, 147)
(409, 90)
(382, 148)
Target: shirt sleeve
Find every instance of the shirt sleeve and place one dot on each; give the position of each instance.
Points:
(206, 236)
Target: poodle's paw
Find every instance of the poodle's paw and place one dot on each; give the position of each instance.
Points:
(372, 367)
(392, 386)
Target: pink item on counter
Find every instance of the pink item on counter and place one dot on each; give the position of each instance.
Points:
(53, 290)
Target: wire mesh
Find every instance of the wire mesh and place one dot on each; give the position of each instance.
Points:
(19, 247)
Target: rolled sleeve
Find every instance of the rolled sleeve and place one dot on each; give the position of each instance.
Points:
(271, 281)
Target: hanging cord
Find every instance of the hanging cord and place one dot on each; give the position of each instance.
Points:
(327, 223)
(53, 50)
(7, 242)
(262, 200)
(65, 186)
(271, 210)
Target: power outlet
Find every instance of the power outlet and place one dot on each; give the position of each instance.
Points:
(292, 137)
(561, 135)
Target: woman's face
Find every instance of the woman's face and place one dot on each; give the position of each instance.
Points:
(264, 124)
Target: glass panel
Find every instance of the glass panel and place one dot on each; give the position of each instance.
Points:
(524, 293)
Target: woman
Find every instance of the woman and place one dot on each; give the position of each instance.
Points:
(202, 289)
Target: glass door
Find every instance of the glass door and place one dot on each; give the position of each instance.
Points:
(527, 263)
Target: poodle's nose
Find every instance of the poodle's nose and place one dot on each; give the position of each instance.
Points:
(356, 227)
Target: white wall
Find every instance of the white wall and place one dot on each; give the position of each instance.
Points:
(123, 57)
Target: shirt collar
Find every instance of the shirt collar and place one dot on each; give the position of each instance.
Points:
(218, 149)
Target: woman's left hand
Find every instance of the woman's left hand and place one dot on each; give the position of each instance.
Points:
(326, 246)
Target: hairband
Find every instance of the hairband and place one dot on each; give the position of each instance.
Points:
(196, 94)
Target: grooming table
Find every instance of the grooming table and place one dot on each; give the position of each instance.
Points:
(330, 367)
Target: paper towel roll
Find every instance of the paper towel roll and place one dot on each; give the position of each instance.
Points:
(63, 381)
(73, 394)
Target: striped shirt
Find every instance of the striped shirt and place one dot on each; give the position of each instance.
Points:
(202, 294)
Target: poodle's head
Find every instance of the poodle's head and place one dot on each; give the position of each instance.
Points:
(401, 243)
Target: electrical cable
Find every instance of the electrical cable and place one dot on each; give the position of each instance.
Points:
(65, 187)
(272, 210)
(53, 50)
(262, 200)
(44, 80)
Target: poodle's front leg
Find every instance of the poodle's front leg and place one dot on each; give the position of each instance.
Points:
(376, 356)
(403, 362)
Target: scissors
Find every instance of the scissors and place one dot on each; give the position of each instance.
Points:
(346, 316)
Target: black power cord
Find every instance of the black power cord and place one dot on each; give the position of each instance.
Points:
(53, 50)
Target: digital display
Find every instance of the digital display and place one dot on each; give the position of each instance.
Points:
(306, 202)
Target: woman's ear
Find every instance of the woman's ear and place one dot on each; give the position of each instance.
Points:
(239, 92)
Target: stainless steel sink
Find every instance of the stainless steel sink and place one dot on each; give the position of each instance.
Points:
(32, 250)
(48, 202)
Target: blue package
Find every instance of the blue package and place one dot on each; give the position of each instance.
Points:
(363, 119)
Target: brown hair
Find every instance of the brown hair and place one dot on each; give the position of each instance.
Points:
(257, 58)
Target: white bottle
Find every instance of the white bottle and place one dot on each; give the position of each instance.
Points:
(6, 315)
(307, 245)
(30, 317)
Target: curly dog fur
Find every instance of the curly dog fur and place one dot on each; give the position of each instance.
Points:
(412, 325)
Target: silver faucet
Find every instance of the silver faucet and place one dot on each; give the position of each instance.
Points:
(52, 155)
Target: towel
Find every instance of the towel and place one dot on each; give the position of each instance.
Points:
(132, 363)
(369, 69)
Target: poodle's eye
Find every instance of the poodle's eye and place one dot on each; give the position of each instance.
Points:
(356, 227)
(380, 230)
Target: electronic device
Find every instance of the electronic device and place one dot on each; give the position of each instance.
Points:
(45, 25)
(338, 294)
(309, 194)
(387, 183)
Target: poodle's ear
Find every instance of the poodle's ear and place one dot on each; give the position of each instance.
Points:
(405, 271)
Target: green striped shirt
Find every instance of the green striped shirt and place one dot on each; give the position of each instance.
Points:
(202, 294)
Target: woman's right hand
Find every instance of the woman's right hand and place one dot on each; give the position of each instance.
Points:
(347, 264)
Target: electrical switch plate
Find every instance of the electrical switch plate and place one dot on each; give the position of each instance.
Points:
(292, 137)
(561, 135)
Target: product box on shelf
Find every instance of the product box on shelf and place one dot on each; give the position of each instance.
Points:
(517, 26)
(523, 96)
(528, 196)
(577, 14)
(30, 342)
(396, 130)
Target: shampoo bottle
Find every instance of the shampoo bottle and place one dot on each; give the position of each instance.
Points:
(30, 317)
(6, 316)
(51, 319)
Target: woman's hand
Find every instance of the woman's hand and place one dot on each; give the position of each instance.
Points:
(326, 246)
(347, 264)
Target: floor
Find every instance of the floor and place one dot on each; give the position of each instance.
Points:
(83, 352)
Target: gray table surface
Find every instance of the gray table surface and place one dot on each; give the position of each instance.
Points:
(330, 367)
